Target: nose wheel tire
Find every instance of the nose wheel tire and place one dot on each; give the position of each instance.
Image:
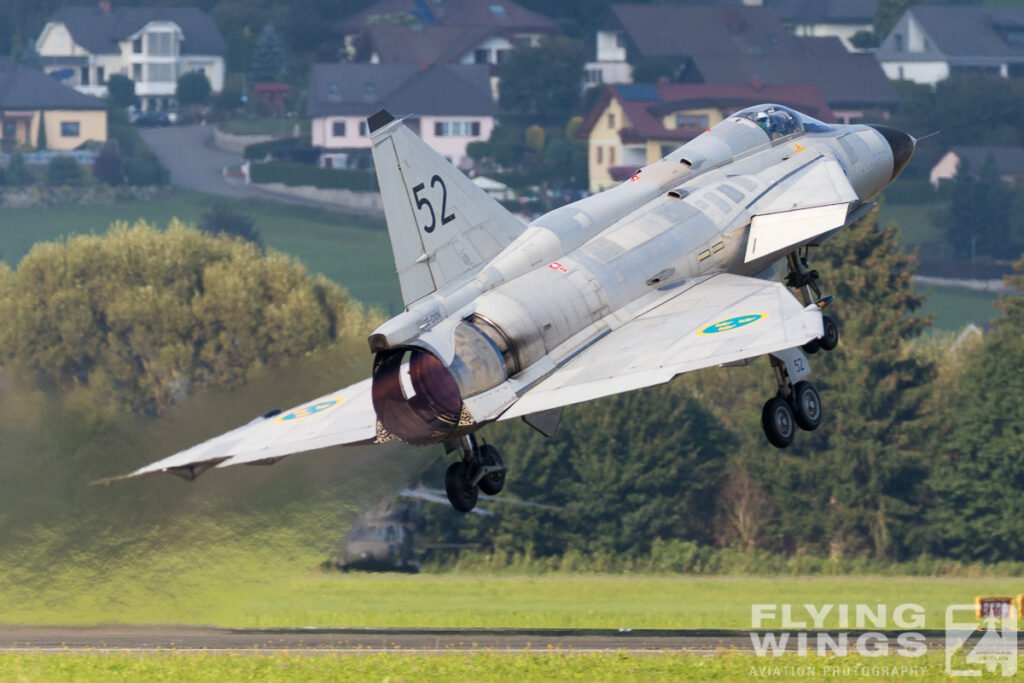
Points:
(806, 406)
(458, 484)
(493, 482)
(778, 422)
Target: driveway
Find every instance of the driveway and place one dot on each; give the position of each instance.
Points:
(195, 163)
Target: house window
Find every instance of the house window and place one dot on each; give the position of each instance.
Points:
(591, 76)
(457, 129)
(161, 73)
(691, 121)
(364, 129)
(897, 42)
(161, 44)
(101, 75)
(600, 155)
(338, 129)
(137, 46)
(481, 56)
(69, 129)
(137, 72)
(611, 156)
(501, 56)
(84, 80)
(611, 121)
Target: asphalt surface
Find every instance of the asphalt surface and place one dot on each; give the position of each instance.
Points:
(195, 163)
(353, 640)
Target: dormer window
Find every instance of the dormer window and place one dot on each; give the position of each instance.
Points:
(137, 46)
(161, 44)
(897, 42)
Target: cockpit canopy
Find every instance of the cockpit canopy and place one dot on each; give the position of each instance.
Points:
(778, 121)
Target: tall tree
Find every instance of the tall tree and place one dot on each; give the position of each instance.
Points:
(544, 79)
(268, 57)
(140, 317)
(977, 221)
(977, 511)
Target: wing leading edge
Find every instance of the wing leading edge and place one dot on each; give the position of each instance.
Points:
(725, 319)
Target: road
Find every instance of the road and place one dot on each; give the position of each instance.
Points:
(363, 640)
(195, 163)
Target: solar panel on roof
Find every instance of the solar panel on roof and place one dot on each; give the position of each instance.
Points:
(635, 92)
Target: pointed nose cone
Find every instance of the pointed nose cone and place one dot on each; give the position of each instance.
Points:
(902, 146)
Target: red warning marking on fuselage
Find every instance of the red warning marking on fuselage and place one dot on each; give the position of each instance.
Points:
(559, 267)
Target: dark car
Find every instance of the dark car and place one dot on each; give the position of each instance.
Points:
(153, 118)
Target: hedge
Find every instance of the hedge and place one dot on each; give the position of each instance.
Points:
(302, 174)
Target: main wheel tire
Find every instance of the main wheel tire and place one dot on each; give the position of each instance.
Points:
(830, 336)
(806, 406)
(812, 346)
(462, 494)
(778, 422)
(492, 484)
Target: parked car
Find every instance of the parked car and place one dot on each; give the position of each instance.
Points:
(152, 118)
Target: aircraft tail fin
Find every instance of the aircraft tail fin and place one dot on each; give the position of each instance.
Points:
(441, 225)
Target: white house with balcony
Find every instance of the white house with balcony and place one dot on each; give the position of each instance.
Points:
(929, 44)
(84, 46)
(448, 105)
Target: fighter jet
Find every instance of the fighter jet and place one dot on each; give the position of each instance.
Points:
(671, 271)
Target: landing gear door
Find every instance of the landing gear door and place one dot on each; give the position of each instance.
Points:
(796, 363)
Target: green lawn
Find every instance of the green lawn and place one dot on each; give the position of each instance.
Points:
(914, 223)
(480, 666)
(350, 250)
(953, 308)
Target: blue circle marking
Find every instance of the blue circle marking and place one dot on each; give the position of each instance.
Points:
(730, 324)
(310, 410)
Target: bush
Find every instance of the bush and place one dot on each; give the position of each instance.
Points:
(17, 174)
(145, 169)
(911, 191)
(63, 171)
(301, 174)
(222, 219)
(107, 167)
(121, 91)
(193, 88)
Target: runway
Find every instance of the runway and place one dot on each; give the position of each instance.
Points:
(120, 638)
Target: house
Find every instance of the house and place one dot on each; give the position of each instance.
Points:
(841, 19)
(442, 32)
(1009, 163)
(929, 44)
(448, 105)
(153, 46)
(633, 125)
(28, 96)
(738, 44)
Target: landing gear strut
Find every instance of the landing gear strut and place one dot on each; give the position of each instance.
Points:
(480, 469)
(798, 404)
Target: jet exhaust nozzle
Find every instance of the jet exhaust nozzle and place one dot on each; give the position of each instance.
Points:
(415, 396)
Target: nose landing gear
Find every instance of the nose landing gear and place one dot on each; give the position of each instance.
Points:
(480, 469)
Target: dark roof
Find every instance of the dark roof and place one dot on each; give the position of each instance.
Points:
(99, 32)
(645, 105)
(730, 44)
(501, 14)
(1008, 160)
(824, 11)
(971, 31)
(362, 89)
(22, 87)
(430, 44)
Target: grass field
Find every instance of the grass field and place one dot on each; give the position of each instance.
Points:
(952, 308)
(350, 250)
(235, 595)
(491, 666)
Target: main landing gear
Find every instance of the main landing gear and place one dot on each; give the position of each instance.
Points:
(797, 404)
(480, 469)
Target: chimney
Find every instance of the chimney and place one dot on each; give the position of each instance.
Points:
(757, 83)
(106, 7)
